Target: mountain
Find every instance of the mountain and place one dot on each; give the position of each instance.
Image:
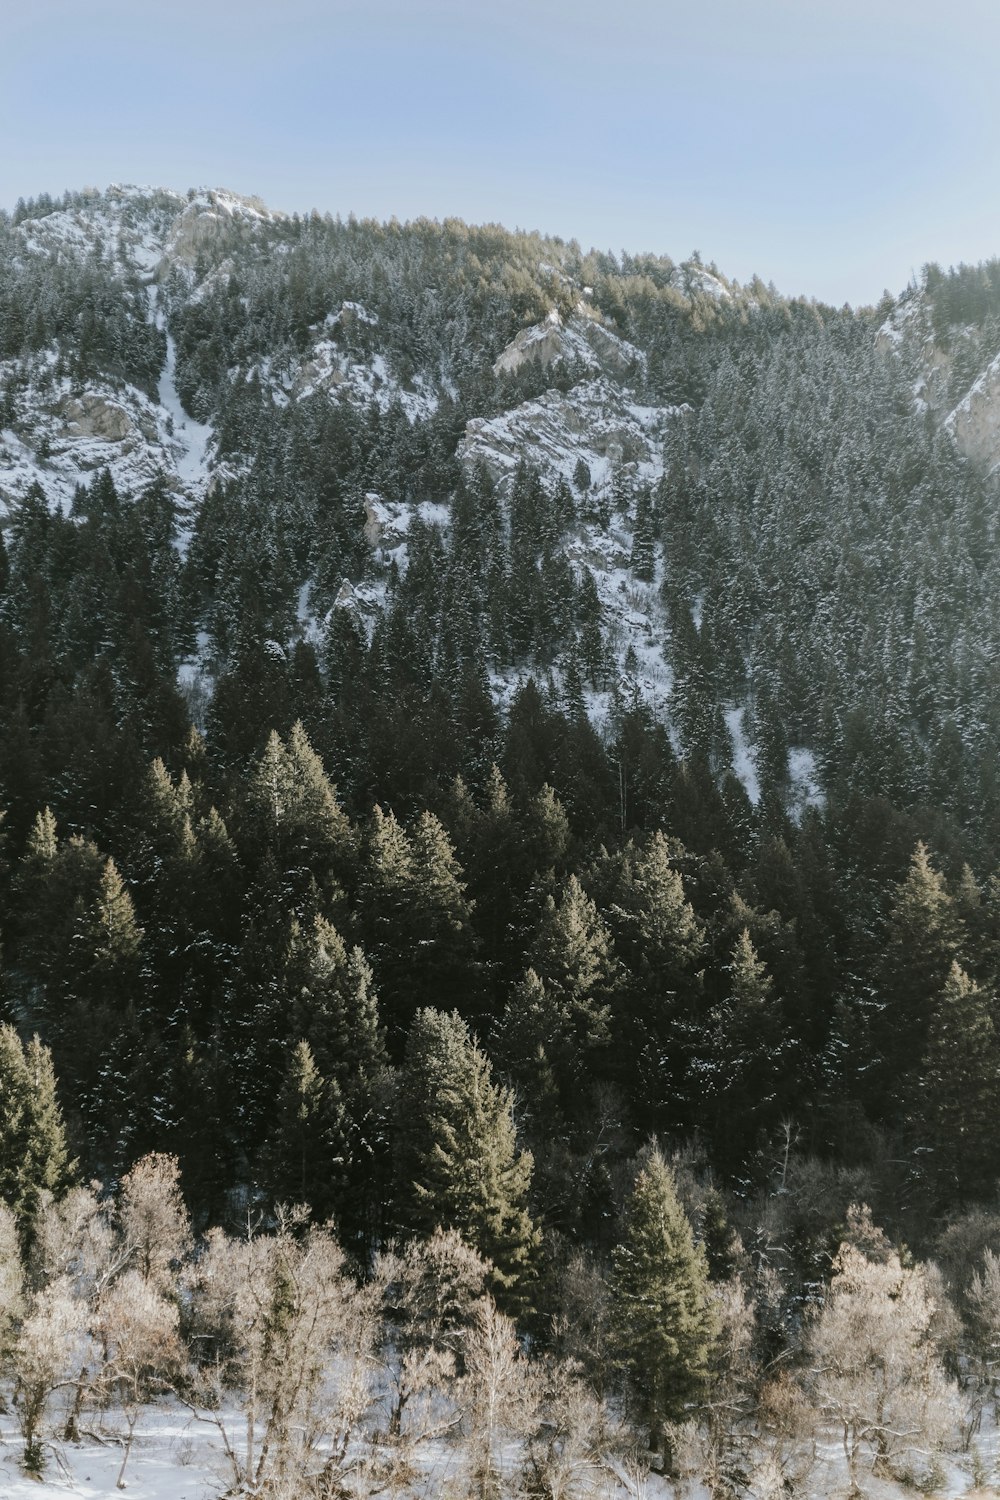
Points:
(503, 458)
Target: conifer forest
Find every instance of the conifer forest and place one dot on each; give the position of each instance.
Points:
(499, 863)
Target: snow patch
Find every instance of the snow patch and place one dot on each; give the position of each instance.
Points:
(744, 760)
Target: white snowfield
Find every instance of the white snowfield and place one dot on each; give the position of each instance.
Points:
(175, 1457)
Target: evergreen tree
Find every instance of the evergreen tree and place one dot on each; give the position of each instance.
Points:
(302, 1154)
(574, 975)
(34, 1159)
(643, 558)
(295, 821)
(661, 944)
(750, 1064)
(456, 1157)
(333, 1009)
(955, 1104)
(663, 1322)
(924, 937)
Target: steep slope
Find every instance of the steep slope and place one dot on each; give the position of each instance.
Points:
(62, 424)
(464, 459)
(952, 349)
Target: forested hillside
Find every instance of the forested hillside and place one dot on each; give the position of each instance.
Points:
(469, 707)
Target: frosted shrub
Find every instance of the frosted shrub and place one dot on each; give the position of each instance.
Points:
(873, 1365)
(46, 1353)
(284, 1330)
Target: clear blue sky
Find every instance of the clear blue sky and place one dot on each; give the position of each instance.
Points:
(832, 146)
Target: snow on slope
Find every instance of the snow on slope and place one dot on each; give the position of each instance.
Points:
(62, 435)
(329, 371)
(973, 423)
(175, 1458)
(584, 338)
(603, 424)
(596, 421)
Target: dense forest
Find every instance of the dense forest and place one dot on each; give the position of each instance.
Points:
(355, 884)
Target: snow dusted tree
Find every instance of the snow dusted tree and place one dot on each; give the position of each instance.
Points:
(501, 1398)
(136, 1329)
(432, 1289)
(152, 1220)
(983, 1302)
(46, 1355)
(873, 1369)
(283, 1329)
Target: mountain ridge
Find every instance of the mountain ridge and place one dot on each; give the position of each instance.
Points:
(310, 379)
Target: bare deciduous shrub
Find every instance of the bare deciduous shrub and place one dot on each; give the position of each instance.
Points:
(564, 1449)
(731, 1393)
(430, 1291)
(11, 1280)
(960, 1248)
(152, 1219)
(786, 1437)
(286, 1333)
(502, 1400)
(136, 1329)
(45, 1355)
(873, 1367)
(73, 1238)
(580, 1320)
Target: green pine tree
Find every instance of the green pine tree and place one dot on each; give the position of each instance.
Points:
(663, 1323)
(924, 937)
(34, 1158)
(750, 1057)
(573, 958)
(456, 1156)
(957, 1095)
(302, 1157)
(661, 943)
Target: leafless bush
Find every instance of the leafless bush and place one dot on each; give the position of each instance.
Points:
(294, 1344)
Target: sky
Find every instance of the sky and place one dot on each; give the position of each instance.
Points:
(831, 148)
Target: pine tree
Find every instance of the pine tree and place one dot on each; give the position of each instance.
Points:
(302, 1158)
(924, 936)
(443, 957)
(333, 1008)
(957, 1094)
(750, 1058)
(295, 820)
(415, 921)
(332, 1002)
(573, 961)
(456, 1156)
(643, 559)
(661, 943)
(663, 1322)
(34, 1159)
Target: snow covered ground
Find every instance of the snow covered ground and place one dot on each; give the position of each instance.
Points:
(175, 1457)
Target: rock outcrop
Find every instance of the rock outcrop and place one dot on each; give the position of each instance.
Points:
(584, 339)
(92, 416)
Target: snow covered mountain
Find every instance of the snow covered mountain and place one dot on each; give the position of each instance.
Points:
(630, 479)
(59, 431)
